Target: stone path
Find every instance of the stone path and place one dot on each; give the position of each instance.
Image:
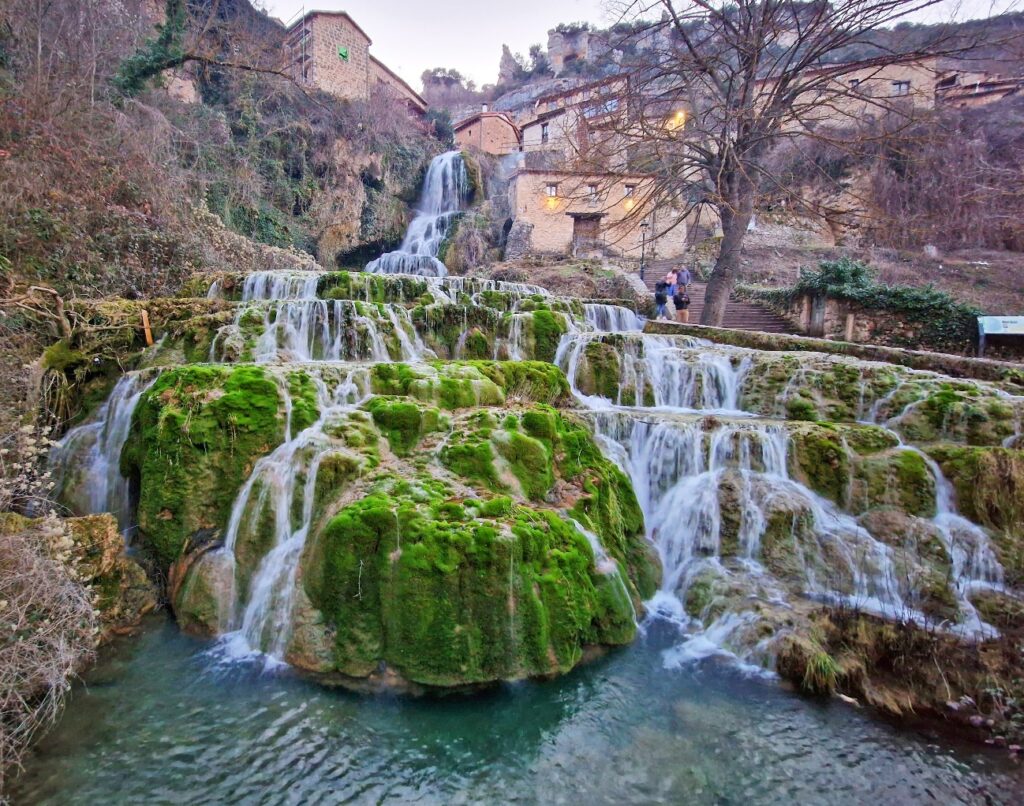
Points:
(739, 315)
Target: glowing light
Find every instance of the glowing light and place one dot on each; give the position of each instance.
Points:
(630, 204)
(677, 121)
(552, 202)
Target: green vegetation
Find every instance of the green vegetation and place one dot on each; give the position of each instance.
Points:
(195, 437)
(452, 594)
(939, 321)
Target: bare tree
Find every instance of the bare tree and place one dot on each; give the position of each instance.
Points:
(711, 90)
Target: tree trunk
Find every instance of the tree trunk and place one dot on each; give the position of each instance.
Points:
(727, 266)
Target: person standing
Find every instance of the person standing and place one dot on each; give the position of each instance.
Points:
(670, 281)
(683, 278)
(660, 300)
(681, 300)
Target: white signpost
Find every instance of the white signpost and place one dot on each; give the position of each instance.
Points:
(998, 326)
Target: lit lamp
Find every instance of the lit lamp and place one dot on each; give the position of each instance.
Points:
(677, 121)
(643, 245)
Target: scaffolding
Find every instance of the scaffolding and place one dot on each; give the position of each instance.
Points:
(299, 47)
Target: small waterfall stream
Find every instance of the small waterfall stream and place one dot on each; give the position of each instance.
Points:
(92, 453)
(444, 194)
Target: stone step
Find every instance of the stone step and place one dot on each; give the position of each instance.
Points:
(739, 315)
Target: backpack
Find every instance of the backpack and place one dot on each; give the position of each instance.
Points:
(660, 287)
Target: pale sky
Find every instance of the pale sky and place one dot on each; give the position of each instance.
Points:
(411, 36)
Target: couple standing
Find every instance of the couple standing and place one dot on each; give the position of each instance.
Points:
(674, 285)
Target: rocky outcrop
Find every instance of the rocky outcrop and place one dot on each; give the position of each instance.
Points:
(436, 547)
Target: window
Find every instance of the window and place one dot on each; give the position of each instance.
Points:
(901, 88)
(544, 132)
(630, 190)
(854, 83)
(552, 190)
(592, 192)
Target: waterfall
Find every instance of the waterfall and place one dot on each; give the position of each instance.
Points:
(611, 318)
(444, 192)
(678, 468)
(296, 325)
(696, 376)
(973, 558)
(703, 480)
(258, 621)
(88, 457)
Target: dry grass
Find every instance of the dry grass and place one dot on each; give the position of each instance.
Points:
(47, 632)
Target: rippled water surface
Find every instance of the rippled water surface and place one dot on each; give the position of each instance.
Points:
(160, 722)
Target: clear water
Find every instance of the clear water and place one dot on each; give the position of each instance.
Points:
(158, 721)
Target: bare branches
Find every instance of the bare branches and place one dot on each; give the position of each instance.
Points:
(47, 632)
(712, 90)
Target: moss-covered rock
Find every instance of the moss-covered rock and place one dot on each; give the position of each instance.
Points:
(195, 437)
(989, 486)
(451, 593)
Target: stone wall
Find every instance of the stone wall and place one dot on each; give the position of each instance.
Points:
(842, 320)
(331, 73)
(382, 77)
(551, 217)
(489, 132)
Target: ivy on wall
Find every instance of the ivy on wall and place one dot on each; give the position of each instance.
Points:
(938, 320)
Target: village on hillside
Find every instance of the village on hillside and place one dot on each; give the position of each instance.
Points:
(643, 426)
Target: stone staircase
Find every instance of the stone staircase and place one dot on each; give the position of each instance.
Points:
(739, 315)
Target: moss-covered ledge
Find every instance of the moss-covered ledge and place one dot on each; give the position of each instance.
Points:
(1009, 373)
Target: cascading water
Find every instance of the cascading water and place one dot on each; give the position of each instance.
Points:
(92, 451)
(297, 325)
(611, 318)
(691, 476)
(258, 619)
(679, 416)
(679, 374)
(444, 193)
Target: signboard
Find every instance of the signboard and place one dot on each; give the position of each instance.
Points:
(998, 326)
(1001, 325)
(343, 52)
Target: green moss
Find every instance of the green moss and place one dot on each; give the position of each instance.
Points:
(529, 461)
(822, 462)
(195, 436)
(407, 577)
(473, 459)
(548, 329)
(305, 409)
(60, 357)
(404, 423)
(799, 408)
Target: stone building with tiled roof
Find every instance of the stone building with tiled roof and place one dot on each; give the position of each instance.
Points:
(328, 50)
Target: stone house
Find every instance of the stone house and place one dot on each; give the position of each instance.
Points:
(490, 132)
(971, 88)
(865, 94)
(588, 215)
(328, 50)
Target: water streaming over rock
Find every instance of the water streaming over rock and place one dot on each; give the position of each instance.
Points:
(659, 371)
(714, 488)
(444, 194)
(258, 619)
(87, 459)
(611, 318)
(710, 456)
